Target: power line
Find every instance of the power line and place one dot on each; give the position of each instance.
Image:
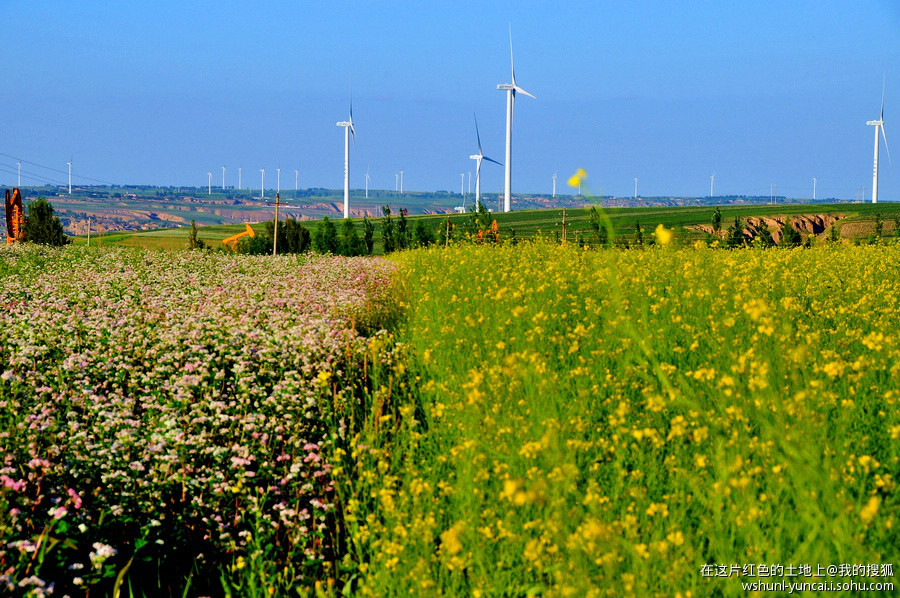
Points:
(30, 175)
(65, 172)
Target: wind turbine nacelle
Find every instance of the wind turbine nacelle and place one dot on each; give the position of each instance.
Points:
(343, 123)
(506, 86)
(476, 157)
(874, 123)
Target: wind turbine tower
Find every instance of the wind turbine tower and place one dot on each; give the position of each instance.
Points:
(462, 184)
(878, 124)
(511, 90)
(814, 188)
(479, 157)
(70, 169)
(278, 183)
(396, 181)
(635, 187)
(554, 185)
(367, 182)
(19, 179)
(348, 130)
(296, 180)
(262, 182)
(712, 184)
(240, 179)
(209, 183)
(223, 178)
(401, 182)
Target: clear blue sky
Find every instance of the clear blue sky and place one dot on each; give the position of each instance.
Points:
(162, 92)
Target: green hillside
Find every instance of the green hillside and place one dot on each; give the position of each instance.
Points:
(532, 223)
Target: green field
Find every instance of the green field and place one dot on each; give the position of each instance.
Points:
(536, 419)
(534, 223)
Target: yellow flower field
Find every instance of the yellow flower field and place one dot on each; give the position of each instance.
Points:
(607, 423)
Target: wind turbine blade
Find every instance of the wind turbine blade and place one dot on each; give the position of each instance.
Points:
(883, 136)
(882, 102)
(523, 92)
(491, 160)
(477, 135)
(512, 63)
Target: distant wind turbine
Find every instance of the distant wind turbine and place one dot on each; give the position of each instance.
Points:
(209, 183)
(348, 130)
(479, 157)
(814, 188)
(554, 184)
(223, 178)
(712, 183)
(262, 183)
(278, 184)
(240, 178)
(401, 182)
(878, 124)
(462, 184)
(511, 90)
(367, 182)
(70, 168)
(635, 187)
(296, 180)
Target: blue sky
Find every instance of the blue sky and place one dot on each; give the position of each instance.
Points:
(758, 93)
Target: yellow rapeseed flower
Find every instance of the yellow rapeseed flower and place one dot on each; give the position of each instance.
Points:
(663, 235)
(576, 178)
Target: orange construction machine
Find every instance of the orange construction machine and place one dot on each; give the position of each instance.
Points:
(15, 217)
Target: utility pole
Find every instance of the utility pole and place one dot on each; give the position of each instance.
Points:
(447, 242)
(564, 226)
(89, 231)
(275, 240)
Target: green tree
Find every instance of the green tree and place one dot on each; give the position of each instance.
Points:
(403, 236)
(833, 234)
(325, 238)
(595, 220)
(790, 237)
(368, 235)
(351, 243)
(387, 231)
(424, 236)
(193, 241)
(297, 237)
(736, 233)
(261, 244)
(41, 226)
(879, 225)
(763, 236)
(717, 221)
(639, 233)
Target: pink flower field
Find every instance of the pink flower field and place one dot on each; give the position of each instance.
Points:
(169, 416)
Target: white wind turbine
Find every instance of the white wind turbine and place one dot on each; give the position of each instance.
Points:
(479, 157)
(367, 182)
(878, 124)
(511, 90)
(348, 130)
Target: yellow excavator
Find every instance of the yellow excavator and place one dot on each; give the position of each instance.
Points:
(232, 241)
